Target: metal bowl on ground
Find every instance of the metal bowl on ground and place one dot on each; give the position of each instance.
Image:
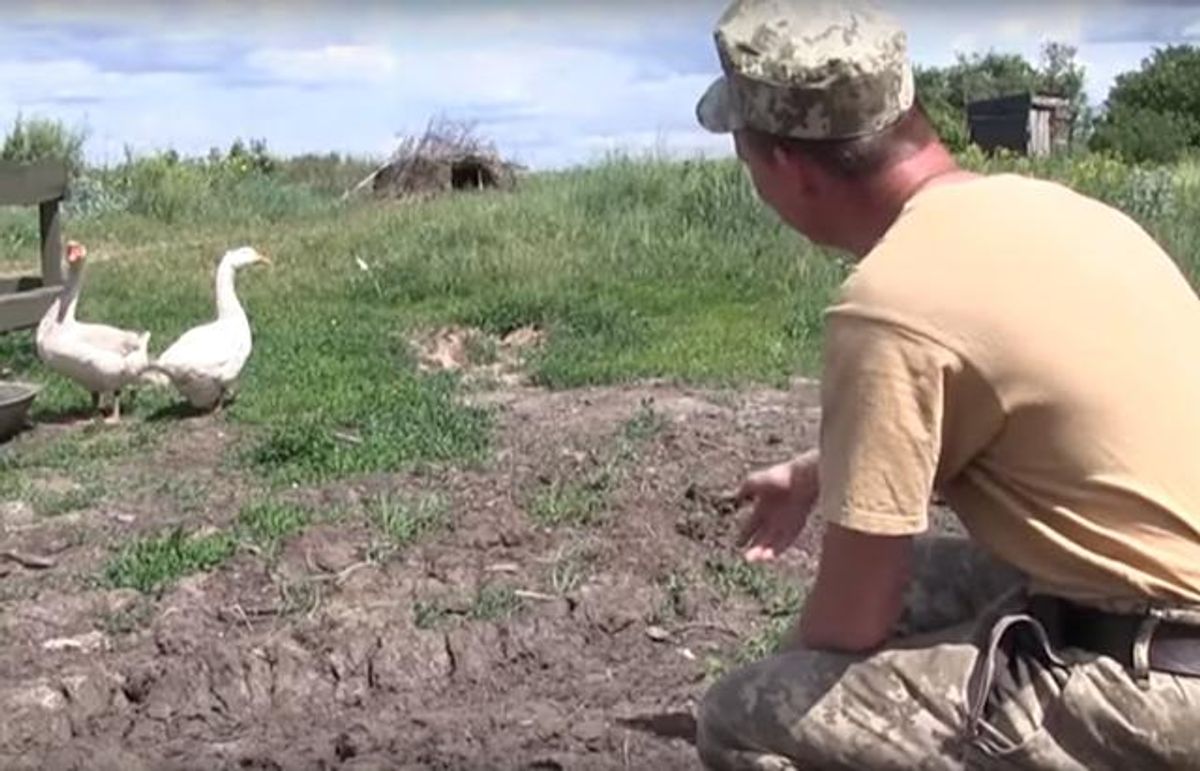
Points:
(15, 400)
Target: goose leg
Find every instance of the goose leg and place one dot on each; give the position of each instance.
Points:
(115, 417)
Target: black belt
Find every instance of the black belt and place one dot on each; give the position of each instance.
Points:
(1173, 647)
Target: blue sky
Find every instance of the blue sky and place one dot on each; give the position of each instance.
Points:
(552, 84)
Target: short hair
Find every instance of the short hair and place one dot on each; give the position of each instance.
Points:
(858, 157)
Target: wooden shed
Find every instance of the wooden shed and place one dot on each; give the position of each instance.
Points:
(1029, 124)
(25, 298)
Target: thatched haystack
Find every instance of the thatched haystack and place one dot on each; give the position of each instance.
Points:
(448, 157)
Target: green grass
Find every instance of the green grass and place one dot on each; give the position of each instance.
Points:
(573, 503)
(155, 562)
(494, 602)
(729, 575)
(490, 602)
(645, 424)
(267, 524)
(404, 522)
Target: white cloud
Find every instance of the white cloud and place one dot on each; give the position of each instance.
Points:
(327, 64)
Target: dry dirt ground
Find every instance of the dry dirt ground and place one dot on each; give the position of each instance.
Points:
(582, 596)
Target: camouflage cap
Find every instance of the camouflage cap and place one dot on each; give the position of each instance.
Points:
(808, 69)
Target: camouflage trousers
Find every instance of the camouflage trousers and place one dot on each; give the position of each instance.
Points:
(946, 696)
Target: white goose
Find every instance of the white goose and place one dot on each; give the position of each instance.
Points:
(205, 362)
(101, 358)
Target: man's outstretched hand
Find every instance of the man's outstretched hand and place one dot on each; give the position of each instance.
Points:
(781, 498)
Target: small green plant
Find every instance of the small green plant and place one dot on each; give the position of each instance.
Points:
(130, 618)
(577, 504)
(494, 602)
(646, 423)
(154, 562)
(429, 614)
(765, 641)
(404, 522)
(481, 349)
(491, 602)
(53, 503)
(268, 524)
(299, 596)
(729, 575)
(674, 606)
(571, 569)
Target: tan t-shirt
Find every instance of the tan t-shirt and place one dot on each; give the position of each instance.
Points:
(1034, 356)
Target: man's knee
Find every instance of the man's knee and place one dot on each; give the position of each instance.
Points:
(728, 724)
(751, 718)
(715, 732)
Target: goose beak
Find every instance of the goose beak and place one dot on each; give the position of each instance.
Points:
(75, 252)
(265, 260)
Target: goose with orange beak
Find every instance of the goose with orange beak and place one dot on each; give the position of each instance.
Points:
(101, 358)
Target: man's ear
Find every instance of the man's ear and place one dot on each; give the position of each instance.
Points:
(808, 178)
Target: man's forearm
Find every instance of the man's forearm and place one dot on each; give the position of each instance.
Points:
(858, 595)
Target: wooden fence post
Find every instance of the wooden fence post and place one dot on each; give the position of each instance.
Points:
(24, 299)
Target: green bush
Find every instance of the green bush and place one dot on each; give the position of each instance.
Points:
(1139, 134)
(40, 139)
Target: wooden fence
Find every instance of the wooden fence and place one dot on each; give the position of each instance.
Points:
(24, 299)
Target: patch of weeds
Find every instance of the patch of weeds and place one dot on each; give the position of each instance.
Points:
(268, 524)
(154, 562)
(715, 668)
(12, 484)
(765, 641)
(403, 522)
(299, 597)
(481, 349)
(494, 602)
(54, 503)
(134, 616)
(646, 423)
(730, 575)
(568, 503)
(189, 494)
(429, 614)
(572, 567)
(674, 605)
(90, 446)
(371, 428)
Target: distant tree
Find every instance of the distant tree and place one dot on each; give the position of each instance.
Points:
(946, 91)
(1062, 75)
(948, 118)
(1143, 135)
(984, 76)
(1153, 113)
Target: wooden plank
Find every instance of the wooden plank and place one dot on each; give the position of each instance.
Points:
(52, 248)
(29, 184)
(24, 310)
(10, 284)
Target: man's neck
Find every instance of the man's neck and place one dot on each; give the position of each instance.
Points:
(882, 199)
